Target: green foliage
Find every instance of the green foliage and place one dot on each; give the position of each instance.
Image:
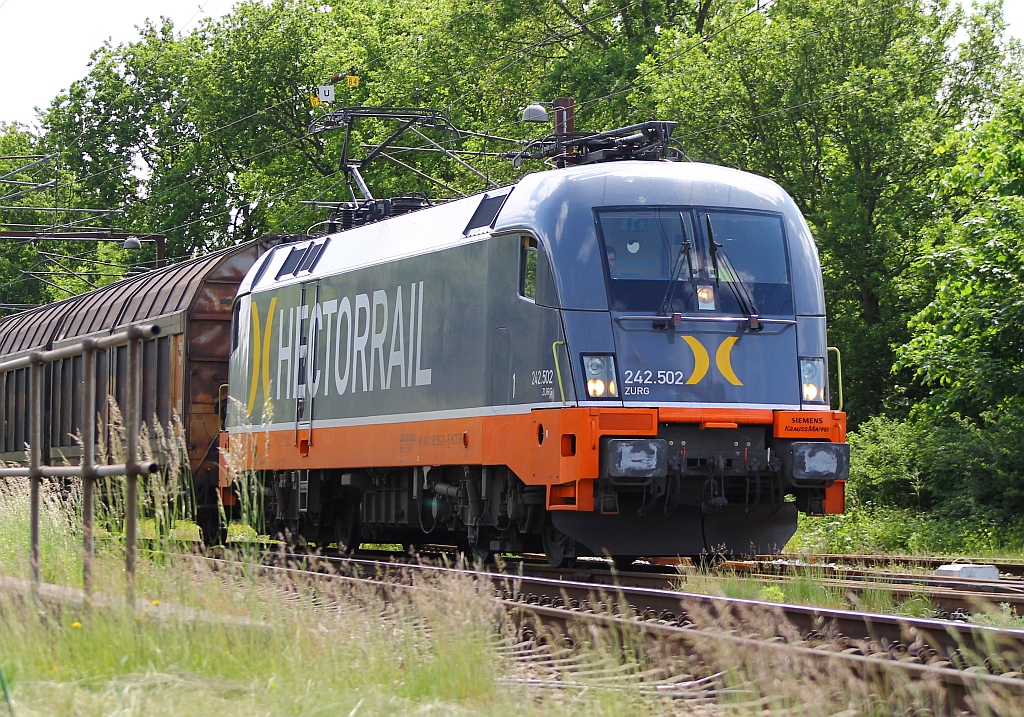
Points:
(900, 531)
(959, 468)
(898, 128)
(958, 454)
(968, 345)
(846, 105)
(926, 485)
(204, 136)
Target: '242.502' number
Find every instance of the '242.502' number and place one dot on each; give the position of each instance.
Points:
(544, 377)
(642, 376)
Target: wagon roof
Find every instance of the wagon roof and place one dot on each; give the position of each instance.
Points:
(145, 296)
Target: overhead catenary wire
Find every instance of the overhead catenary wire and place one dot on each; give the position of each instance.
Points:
(423, 175)
(517, 55)
(271, 107)
(79, 258)
(582, 106)
(298, 139)
(228, 211)
(50, 283)
(526, 51)
(523, 52)
(181, 30)
(226, 125)
(278, 104)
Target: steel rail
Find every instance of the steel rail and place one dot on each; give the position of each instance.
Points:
(1012, 584)
(1011, 567)
(962, 686)
(954, 641)
(951, 595)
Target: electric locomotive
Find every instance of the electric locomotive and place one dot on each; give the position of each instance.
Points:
(620, 358)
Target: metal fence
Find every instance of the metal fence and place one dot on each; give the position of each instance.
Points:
(88, 469)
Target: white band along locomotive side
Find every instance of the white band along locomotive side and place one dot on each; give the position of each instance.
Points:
(623, 358)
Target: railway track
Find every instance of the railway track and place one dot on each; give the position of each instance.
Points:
(1008, 567)
(949, 596)
(971, 663)
(956, 598)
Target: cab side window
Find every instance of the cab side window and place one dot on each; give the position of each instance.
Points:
(235, 316)
(528, 269)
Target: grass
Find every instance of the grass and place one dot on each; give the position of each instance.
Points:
(274, 644)
(801, 586)
(898, 531)
(301, 648)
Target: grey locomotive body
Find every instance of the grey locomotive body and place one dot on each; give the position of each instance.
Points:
(625, 358)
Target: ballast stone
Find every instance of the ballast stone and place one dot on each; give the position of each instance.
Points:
(966, 570)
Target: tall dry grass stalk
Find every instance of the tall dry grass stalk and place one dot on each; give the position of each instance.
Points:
(240, 458)
(166, 498)
(59, 528)
(243, 638)
(259, 641)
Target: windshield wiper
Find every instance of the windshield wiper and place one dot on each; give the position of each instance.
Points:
(739, 288)
(684, 254)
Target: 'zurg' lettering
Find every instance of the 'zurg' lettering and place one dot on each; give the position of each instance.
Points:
(365, 345)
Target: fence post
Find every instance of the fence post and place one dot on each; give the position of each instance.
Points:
(88, 463)
(35, 456)
(132, 412)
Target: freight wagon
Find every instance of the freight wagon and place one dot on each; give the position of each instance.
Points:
(184, 370)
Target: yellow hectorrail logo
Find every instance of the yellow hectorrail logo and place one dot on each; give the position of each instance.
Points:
(260, 359)
(723, 360)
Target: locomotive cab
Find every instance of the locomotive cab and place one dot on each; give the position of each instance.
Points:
(691, 294)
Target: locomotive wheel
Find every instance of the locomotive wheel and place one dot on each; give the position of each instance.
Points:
(346, 525)
(623, 562)
(481, 554)
(559, 548)
(212, 530)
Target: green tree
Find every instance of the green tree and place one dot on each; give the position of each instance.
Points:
(16, 256)
(35, 271)
(204, 136)
(968, 342)
(846, 105)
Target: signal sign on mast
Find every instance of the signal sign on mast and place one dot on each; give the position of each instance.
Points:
(326, 94)
(351, 78)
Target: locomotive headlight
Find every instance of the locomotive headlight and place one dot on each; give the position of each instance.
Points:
(600, 373)
(706, 297)
(812, 380)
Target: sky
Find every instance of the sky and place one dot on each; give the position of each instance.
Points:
(45, 44)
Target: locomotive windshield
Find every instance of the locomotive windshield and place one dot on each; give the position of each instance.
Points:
(644, 248)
